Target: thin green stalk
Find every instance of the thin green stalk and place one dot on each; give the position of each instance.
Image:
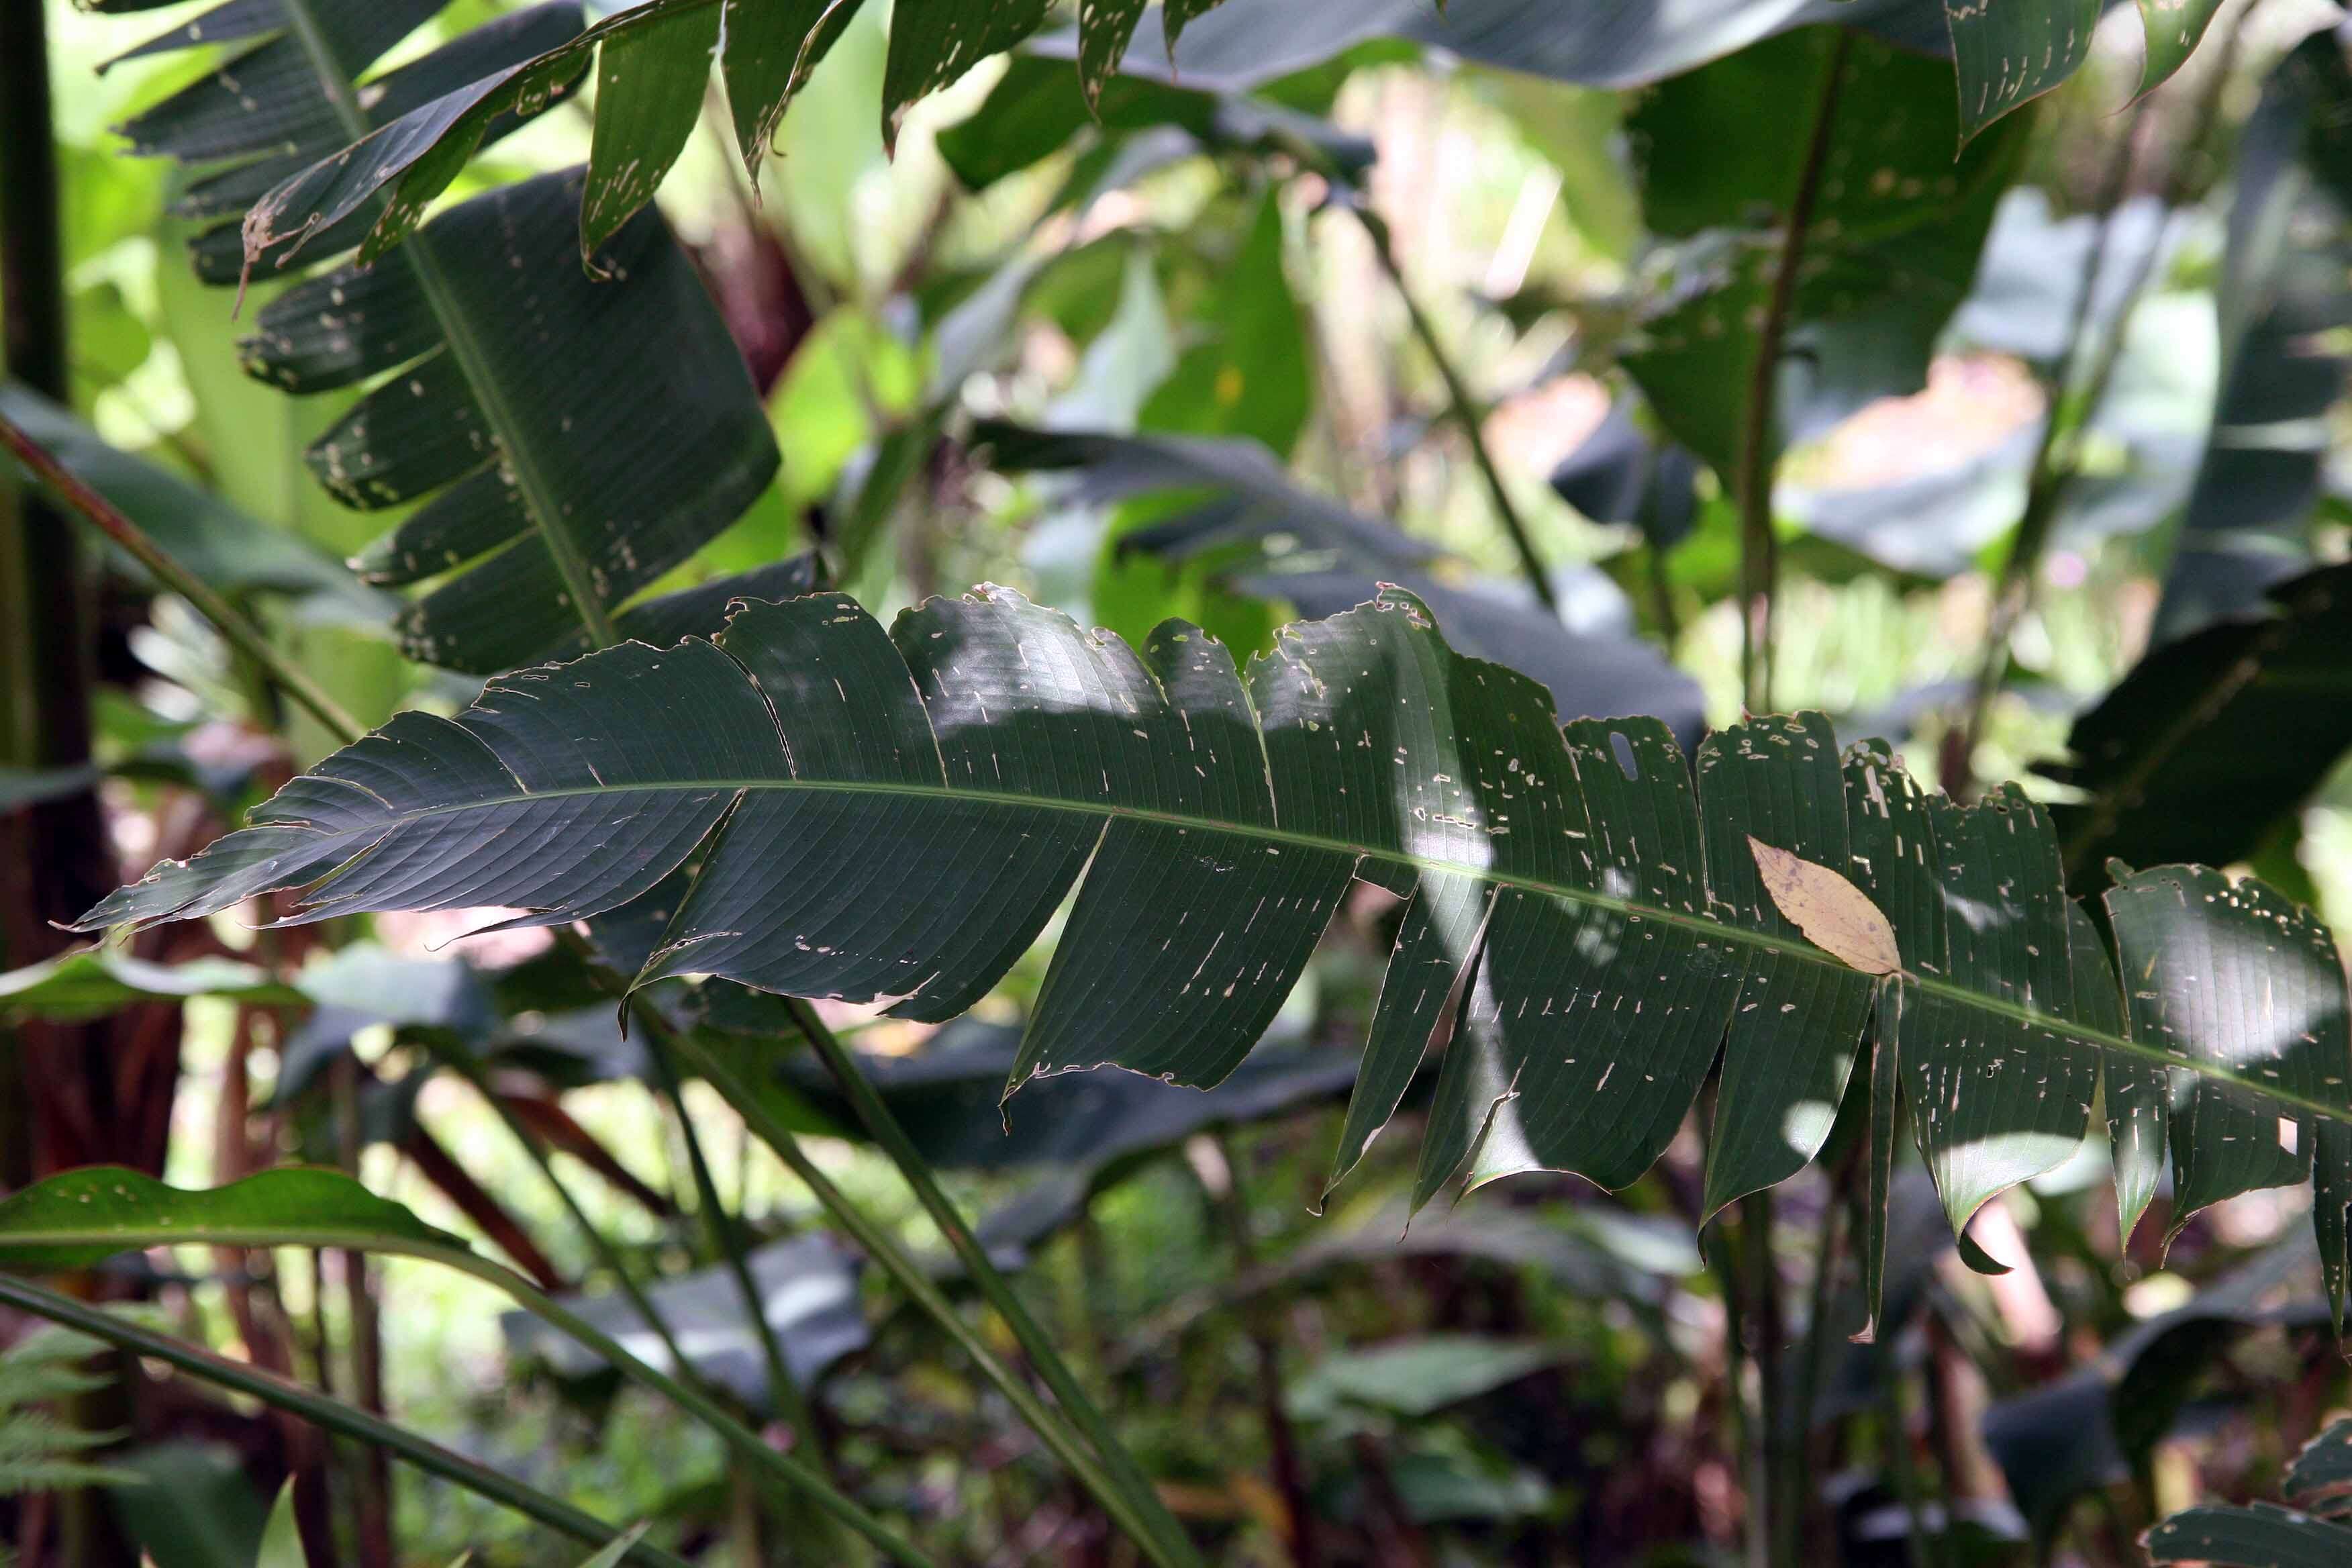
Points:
(1466, 408)
(240, 633)
(777, 1466)
(1768, 1454)
(1053, 1428)
(1760, 547)
(2052, 470)
(875, 1118)
(329, 1414)
(1798, 1494)
(790, 1398)
(468, 1067)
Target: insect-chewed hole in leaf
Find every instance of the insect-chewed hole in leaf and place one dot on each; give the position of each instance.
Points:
(1622, 749)
(1835, 916)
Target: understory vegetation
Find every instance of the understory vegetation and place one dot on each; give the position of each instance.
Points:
(1263, 782)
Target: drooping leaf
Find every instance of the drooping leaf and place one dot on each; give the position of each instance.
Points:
(894, 817)
(88, 983)
(649, 87)
(2099, 1425)
(807, 1284)
(220, 543)
(2281, 295)
(1273, 538)
(550, 498)
(934, 42)
(2264, 1535)
(1412, 1377)
(1895, 230)
(2209, 740)
(2217, 972)
(86, 1216)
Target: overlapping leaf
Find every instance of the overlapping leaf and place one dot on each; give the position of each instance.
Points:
(564, 441)
(893, 817)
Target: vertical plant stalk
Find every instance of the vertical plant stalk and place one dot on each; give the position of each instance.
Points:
(884, 1128)
(1797, 1495)
(371, 1475)
(1054, 1430)
(1760, 547)
(1769, 1455)
(2057, 458)
(469, 1067)
(727, 1233)
(1265, 1340)
(1465, 409)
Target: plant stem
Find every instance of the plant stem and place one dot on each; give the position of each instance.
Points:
(1760, 547)
(1289, 1471)
(1053, 1428)
(2051, 471)
(241, 633)
(467, 1065)
(329, 1414)
(884, 1128)
(1770, 1441)
(1798, 1497)
(791, 1400)
(1466, 408)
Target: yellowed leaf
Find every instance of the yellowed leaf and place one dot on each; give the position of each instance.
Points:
(1836, 915)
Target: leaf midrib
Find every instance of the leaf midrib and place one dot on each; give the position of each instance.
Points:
(1767, 942)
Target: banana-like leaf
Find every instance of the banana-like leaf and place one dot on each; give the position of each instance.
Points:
(894, 815)
(2265, 1536)
(2209, 740)
(570, 438)
(2283, 297)
(769, 46)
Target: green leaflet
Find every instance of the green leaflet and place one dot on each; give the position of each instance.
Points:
(934, 42)
(893, 816)
(2008, 52)
(649, 84)
(83, 1217)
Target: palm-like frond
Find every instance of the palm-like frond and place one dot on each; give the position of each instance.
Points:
(895, 816)
(560, 441)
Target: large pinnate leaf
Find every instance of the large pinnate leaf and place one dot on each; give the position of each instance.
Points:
(568, 439)
(893, 816)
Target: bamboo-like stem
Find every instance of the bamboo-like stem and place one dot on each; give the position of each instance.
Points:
(883, 1127)
(1769, 1461)
(792, 1400)
(2057, 458)
(1464, 407)
(1796, 1494)
(1289, 1471)
(329, 1414)
(1053, 1428)
(463, 1061)
(1759, 548)
(240, 632)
